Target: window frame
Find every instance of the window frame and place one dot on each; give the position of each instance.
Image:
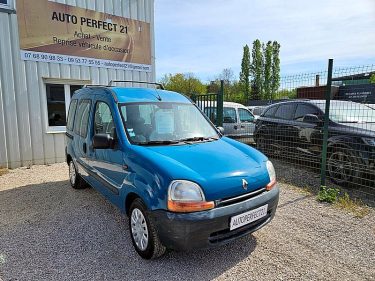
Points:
(74, 114)
(235, 114)
(307, 105)
(110, 110)
(67, 93)
(84, 100)
(7, 6)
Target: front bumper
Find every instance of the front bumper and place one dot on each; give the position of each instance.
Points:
(186, 231)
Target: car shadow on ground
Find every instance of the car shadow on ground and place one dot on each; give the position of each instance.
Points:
(50, 231)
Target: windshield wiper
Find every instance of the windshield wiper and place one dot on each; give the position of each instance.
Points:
(192, 139)
(166, 142)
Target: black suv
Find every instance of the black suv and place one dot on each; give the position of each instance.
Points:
(295, 129)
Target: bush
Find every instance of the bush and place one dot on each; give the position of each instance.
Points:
(328, 195)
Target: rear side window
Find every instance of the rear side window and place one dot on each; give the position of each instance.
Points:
(229, 115)
(72, 111)
(304, 109)
(270, 111)
(82, 118)
(285, 111)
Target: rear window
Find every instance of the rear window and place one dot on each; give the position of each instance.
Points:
(82, 118)
(285, 111)
(72, 111)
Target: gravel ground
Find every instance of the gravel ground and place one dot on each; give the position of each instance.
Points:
(48, 231)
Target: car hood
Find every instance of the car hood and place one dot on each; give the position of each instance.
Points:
(360, 129)
(217, 166)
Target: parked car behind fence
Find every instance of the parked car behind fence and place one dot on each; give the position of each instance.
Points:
(294, 130)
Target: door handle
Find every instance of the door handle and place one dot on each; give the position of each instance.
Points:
(84, 147)
(235, 127)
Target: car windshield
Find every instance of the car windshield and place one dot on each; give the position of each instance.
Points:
(349, 112)
(165, 123)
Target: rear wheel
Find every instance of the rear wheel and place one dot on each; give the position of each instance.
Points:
(143, 233)
(343, 166)
(75, 179)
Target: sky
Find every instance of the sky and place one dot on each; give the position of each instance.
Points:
(205, 36)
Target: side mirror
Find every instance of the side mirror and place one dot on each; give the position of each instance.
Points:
(102, 141)
(221, 130)
(311, 118)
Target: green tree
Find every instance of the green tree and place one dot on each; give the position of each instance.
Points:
(275, 76)
(257, 70)
(183, 83)
(267, 81)
(372, 79)
(245, 71)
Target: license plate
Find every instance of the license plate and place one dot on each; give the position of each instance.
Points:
(248, 217)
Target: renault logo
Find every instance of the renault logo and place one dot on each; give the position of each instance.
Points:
(245, 184)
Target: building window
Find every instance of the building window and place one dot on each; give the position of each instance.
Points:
(5, 3)
(58, 100)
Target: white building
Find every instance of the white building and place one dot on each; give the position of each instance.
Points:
(50, 48)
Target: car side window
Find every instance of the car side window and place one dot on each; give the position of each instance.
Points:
(245, 115)
(103, 120)
(270, 111)
(72, 111)
(82, 118)
(285, 111)
(229, 115)
(304, 109)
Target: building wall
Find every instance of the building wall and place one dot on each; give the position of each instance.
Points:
(24, 139)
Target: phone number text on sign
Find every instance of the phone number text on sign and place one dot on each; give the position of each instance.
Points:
(64, 59)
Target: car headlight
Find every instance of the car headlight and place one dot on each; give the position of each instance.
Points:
(271, 174)
(186, 196)
(369, 141)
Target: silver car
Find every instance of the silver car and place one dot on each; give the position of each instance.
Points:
(238, 121)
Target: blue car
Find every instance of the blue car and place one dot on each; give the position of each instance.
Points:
(158, 158)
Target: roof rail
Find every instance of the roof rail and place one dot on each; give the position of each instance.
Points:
(131, 81)
(93, 86)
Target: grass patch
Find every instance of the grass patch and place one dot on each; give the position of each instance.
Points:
(329, 195)
(3, 171)
(356, 207)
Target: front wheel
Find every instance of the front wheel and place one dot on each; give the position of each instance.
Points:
(143, 233)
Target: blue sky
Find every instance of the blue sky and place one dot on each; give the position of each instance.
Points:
(206, 36)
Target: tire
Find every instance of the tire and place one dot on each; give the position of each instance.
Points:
(143, 233)
(75, 179)
(343, 167)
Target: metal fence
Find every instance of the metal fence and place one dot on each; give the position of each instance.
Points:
(324, 122)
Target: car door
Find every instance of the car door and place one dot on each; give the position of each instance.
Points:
(107, 164)
(80, 138)
(309, 134)
(247, 125)
(230, 122)
(285, 134)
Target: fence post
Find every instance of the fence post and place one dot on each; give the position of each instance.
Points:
(194, 98)
(220, 104)
(326, 123)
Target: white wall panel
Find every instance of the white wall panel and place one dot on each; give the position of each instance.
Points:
(24, 138)
(3, 141)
